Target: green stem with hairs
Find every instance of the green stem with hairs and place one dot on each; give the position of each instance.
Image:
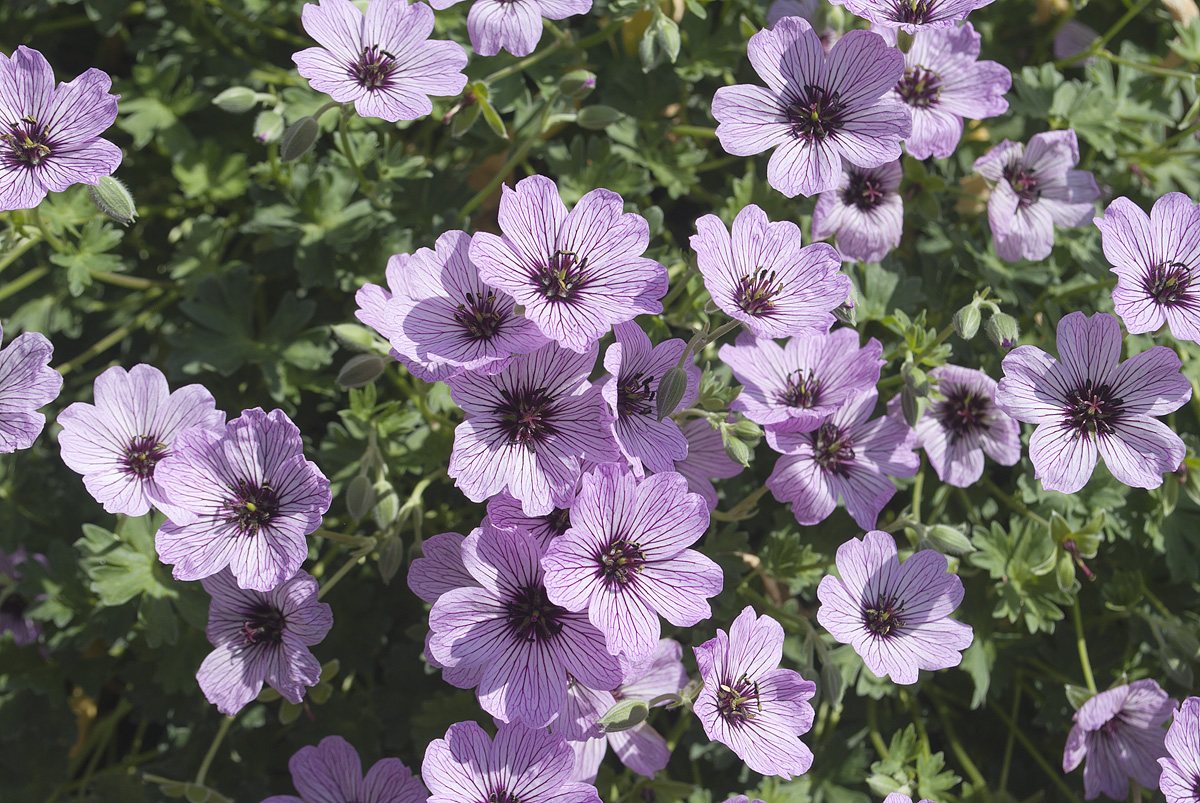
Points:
(1081, 645)
(24, 280)
(873, 729)
(1013, 503)
(202, 773)
(516, 158)
(117, 335)
(1098, 45)
(1006, 763)
(960, 754)
(14, 253)
(1054, 775)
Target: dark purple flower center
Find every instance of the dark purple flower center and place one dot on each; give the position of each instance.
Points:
(141, 455)
(883, 618)
(964, 411)
(503, 795)
(832, 449)
(1168, 283)
(803, 389)
(252, 506)
(30, 142)
(525, 414)
(920, 87)
(559, 521)
(479, 316)
(1024, 183)
(634, 395)
(264, 625)
(916, 12)
(562, 277)
(13, 605)
(532, 617)
(620, 562)
(756, 292)
(815, 114)
(1094, 409)
(738, 702)
(374, 68)
(864, 191)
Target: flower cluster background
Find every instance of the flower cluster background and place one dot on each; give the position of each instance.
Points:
(566, 401)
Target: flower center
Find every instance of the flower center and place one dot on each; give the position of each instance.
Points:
(562, 277)
(816, 114)
(864, 191)
(1168, 283)
(803, 389)
(832, 449)
(252, 507)
(738, 702)
(884, 617)
(479, 316)
(1093, 410)
(28, 140)
(1024, 183)
(620, 562)
(502, 795)
(263, 626)
(920, 87)
(634, 395)
(525, 416)
(374, 68)
(141, 455)
(532, 617)
(559, 521)
(964, 411)
(756, 292)
(916, 12)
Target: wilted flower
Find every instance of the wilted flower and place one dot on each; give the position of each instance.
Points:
(1180, 781)
(815, 109)
(27, 382)
(331, 772)
(895, 615)
(1088, 403)
(383, 61)
(864, 211)
(913, 15)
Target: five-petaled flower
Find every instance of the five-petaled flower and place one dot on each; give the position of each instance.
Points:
(864, 211)
(1180, 781)
(512, 25)
(913, 15)
(331, 772)
(27, 382)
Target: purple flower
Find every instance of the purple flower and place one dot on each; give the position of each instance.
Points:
(864, 211)
(748, 703)
(528, 428)
(943, 83)
(117, 442)
(848, 456)
(1157, 262)
(384, 61)
(896, 797)
(521, 764)
(27, 382)
(761, 275)
(896, 616)
(261, 637)
(1074, 39)
(507, 625)
(808, 10)
(626, 560)
(1120, 732)
(961, 423)
(376, 311)
(13, 605)
(1034, 189)
(1090, 402)
(50, 135)
(817, 109)
(245, 497)
(505, 512)
(331, 772)
(575, 273)
(514, 25)
(635, 368)
(441, 567)
(1180, 781)
(706, 460)
(797, 386)
(912, 15)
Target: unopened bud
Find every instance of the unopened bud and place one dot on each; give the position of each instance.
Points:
(910, 406)
(670, 391)
(463, 121)
(747, 432)
(299, 139)
(391, 558)
(577, 84)
(595, 118)
(388, 506)
(360, 497)
(360, 370)
(624, 715)
(268, 126)
(1002, 330)
(236, 100)
(966, 321)
(949, 539)
(113, 199)
(915, 379)
(737, 449)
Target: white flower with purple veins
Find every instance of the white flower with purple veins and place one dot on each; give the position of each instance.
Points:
(626, 561)
(912, 15)
(895, 615)
(243, 497)
(50, 135)
(383, 61)
(758, 273)
(864, 212)
(808, 10)
(513, 25)
(1088, 404)
(943, 83)
(1035, 188)
(440, 567)
(1157, 262)
(261, 638)
(576, 273)
(847, 456)
(117, 442)
(27, 382)
(331, 772)
(815, 109)
(1180, 781)
(796, 386)
(635, 369)
(706, 460)
(529, 428)
(504, 511)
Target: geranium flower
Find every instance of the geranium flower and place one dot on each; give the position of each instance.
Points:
(912, 15)
(331, 772)
(440, 567)
(864, 212)
(27, 382)
(504, 511)
(514, 25)
(1180, 781)
(706, 460)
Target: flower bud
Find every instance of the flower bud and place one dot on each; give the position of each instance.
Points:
(846, 313)
(966, 321)
(577, 84)
(1002, 330)
(624, 715)
(360, 497)
(747, 431)
(391, 558)
(299, 139)
(910, 405)
(737, 448)
(596, 118)
(113, 199)
(268, 126)
(915, 379)
(236, 100)
(388, 506)
(949, 539)
(670, 391)
(360, 370)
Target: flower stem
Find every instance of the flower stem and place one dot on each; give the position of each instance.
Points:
(528, 61)
(1099, 44)
(20, 248)
(1051, 773)
(1081, 644)
(956, 747)
(516, 158)
(212, 750)
(356, 557)
(910, 703)
(24, 280)
(1148, 68)
(117, 335)
(702, 132)
(1006, 764)
(1015, 504)
(873, 726)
